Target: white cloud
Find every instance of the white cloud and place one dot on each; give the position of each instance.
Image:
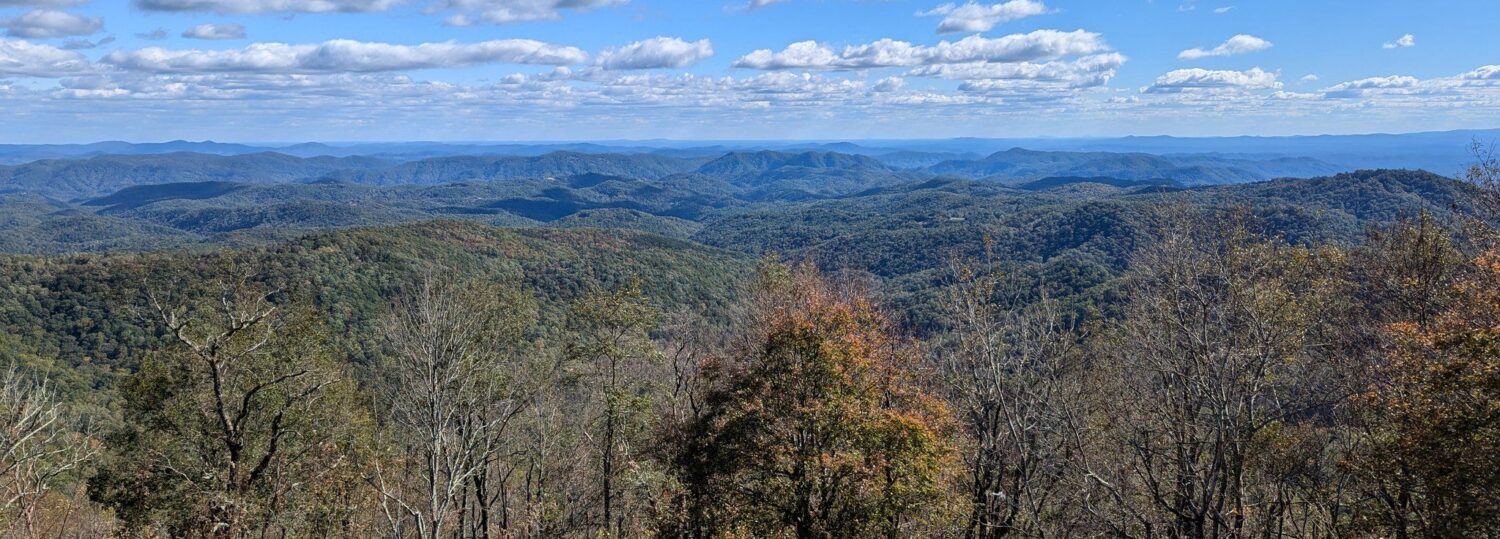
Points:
(215, 31)
(1295, 96)
(799, 55)
(1487, 73)
(1205, 79)
(344, 56)
(1223, 10)
(1407, 40)
(597, 103)
(473, 12)
(1240, 44)
(655, 53)
(1310, 77)
(27, 59)
(757, 4)
(1357, 88)
(973, 17)
(268, 6)
(1037, 45)
(890, 84)
(47, 23)
(1085, 72)
(154, 35)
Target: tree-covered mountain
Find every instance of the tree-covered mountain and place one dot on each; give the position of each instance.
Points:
(750, 175)
(1442, 152)
(1069, 239)
(74, 307)
(555, 164)
(613, 310)
(1019, 164)
(857, 196)
(76, 179)
(30, 223)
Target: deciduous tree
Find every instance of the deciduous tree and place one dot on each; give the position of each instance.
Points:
(821, 430)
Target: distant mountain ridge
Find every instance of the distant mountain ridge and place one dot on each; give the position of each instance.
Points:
(754, 175)
(1019, 165)
(457, 169)
(742, 164)
(75, 179)
(1443, 152)
(720, 211)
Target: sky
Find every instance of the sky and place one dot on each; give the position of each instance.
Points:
(572, 70)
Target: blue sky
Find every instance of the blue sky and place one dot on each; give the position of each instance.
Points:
(348, 70)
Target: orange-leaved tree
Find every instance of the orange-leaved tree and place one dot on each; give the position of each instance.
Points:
(1437, 446)
(818, 429)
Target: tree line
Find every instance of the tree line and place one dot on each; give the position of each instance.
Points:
(1245, 387)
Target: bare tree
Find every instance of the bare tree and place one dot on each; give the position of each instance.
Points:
(1218, 359)
(453, 392)
(37, 446)
(1012, 378)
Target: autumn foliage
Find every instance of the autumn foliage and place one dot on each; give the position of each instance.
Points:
(1435, 447)
(820, 430)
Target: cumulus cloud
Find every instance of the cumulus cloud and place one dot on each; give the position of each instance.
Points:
(757, 4)
(268, 6)
(799, 55)
(1223, 10)
(973, 17)
(344, 55)
(47, 23)
(655, 53)
(1357, 88)
(1405, 41)
(1489, 72)
(1310, 77)
(1182, 80)
(890, 84)
(26, 59)
(1085, 72)
(1240, 44)
(611, 104)
(1037, 45)
(215, 31)
(473, 12)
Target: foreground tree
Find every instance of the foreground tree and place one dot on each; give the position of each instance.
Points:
(244, 426)
(457, 378)
(613, 351)
(38, 446)
(1429, 418)
(1211, 385)
(1432, 463)
(820, 430)
(1014, 380)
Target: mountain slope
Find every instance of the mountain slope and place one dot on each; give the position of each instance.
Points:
(1017, 165)
(471, 169)
(71, 180)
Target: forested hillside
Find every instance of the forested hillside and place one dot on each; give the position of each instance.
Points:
(754, 344)
(763, 174)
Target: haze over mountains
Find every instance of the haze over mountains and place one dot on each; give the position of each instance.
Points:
(1431, 150)
(112, 195)
(74, 172)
